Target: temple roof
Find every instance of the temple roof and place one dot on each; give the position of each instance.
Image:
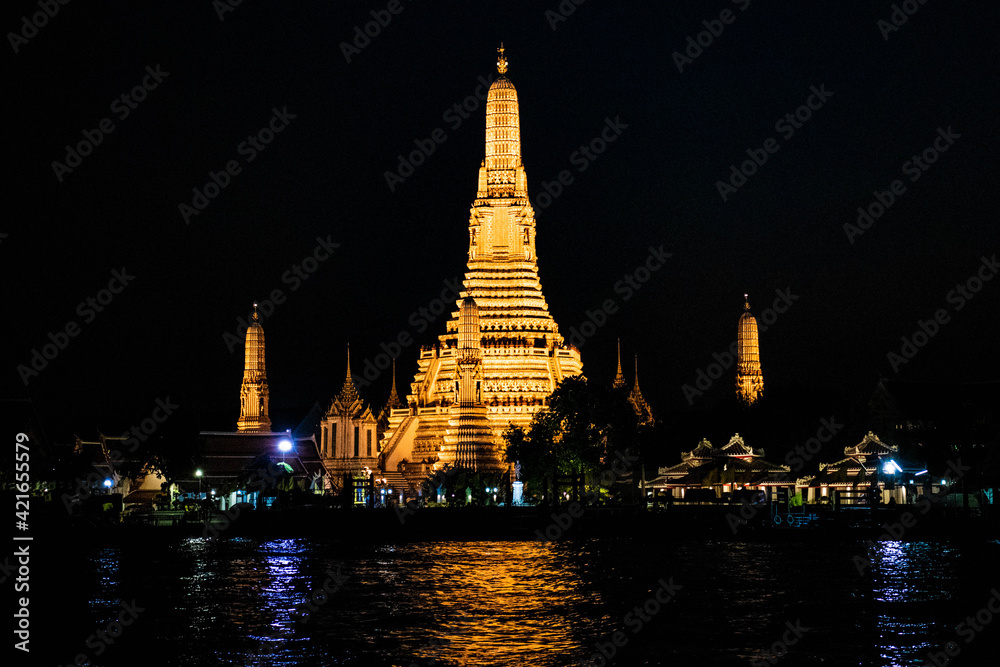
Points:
(870, 445)
(348, 401)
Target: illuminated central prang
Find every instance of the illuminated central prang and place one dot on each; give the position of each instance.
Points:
(523, 356)
(749, 379)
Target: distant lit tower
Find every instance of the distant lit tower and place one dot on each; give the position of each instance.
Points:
(468, 441)
(254, 391)
(749, 380)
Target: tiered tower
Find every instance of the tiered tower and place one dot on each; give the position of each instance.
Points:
(749, 380)
(523, 356)
(254, 391)
(468, 442)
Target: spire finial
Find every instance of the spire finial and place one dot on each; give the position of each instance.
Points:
(502, 60)
(349, 361)
(255, 316)
(619, 376)
(394, 401)
(746, 302)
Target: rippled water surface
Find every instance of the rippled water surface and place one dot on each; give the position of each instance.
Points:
(233, 602)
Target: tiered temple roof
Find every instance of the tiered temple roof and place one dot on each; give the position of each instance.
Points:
(735, 463)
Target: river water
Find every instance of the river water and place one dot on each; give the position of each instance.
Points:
(235, 601)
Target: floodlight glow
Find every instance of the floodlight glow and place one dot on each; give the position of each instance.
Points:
(922, 472)
(198, 473)
(108, 483)
(943, 482)
(891, 467)
(285, 446)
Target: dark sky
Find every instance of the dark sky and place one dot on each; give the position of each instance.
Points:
(323, 176)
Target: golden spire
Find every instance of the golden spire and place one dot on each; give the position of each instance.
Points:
(502, 60)
(254, 392)
(749, 379)
(348, 395)
(639, 404)
(619, 376)
(394, 401)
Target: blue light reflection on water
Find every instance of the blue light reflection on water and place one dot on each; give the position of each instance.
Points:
(546, 604)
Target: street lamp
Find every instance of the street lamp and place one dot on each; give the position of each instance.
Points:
(198, 473)
(284, 446)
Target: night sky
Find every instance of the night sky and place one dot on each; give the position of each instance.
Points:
(346, 123)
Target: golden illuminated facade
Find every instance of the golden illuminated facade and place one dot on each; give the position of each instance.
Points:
(348, 433)
(254, 391)
(522, 356)
(749, 380)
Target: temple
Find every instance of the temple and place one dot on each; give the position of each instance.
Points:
(519, 356)
(253, 391)
(749, 381)
(348, 434)
(635, 398)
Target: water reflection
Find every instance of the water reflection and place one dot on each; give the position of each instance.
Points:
(913, 585)
(233, 602)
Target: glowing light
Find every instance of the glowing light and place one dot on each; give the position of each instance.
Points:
(922, 472)
(891, 467)
(285, 446)
(108, 483)
(198, 473)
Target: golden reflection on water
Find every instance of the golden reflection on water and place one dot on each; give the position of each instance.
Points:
(495, 600)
